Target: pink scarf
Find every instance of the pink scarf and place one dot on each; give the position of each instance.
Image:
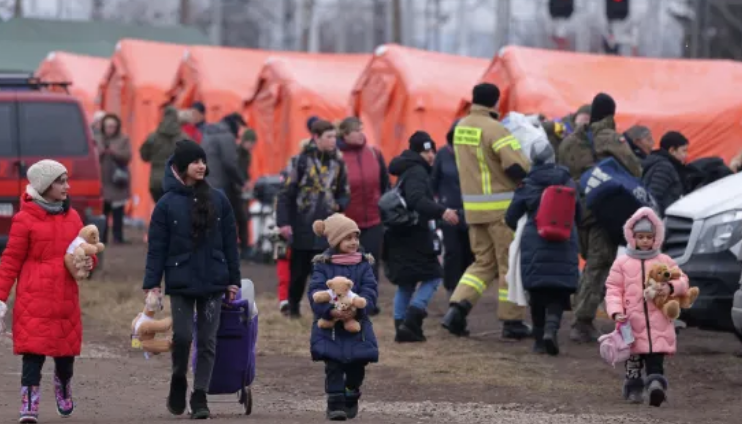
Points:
(347, 258)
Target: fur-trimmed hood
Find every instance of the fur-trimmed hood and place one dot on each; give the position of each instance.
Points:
(659, 227)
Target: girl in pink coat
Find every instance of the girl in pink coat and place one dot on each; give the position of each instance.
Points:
(654, 333)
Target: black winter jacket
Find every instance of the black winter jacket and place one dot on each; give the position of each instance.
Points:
(664, 177)
(410, 254)
(190, 270)
(544, 264)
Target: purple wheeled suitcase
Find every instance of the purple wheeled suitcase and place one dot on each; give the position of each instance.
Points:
(236, 338)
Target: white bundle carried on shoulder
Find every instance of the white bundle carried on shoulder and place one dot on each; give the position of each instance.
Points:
(527, 129)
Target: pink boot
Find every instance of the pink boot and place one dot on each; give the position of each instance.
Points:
(63, 394)
(30, 404)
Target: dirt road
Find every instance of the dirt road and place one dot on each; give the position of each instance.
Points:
(446, 380)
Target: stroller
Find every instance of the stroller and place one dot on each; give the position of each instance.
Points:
(236, 338)
(262, 213)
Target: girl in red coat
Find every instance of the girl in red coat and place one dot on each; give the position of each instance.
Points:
(46, 317)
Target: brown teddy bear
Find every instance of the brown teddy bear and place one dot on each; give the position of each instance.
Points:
(340, 294)
(86, 244)
(145, 327)
(669, 305)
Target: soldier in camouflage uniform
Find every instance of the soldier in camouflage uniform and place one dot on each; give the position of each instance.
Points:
(575, 153)
(559, 129)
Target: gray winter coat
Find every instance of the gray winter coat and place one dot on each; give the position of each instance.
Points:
(220, 146)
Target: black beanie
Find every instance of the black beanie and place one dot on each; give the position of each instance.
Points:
(187, 152)
(311, 121)
(486, 95)
(234, 121)
(421, 142)
(603, 106)
(673, 139)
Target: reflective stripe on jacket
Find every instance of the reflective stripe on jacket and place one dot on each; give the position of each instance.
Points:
(484, 150)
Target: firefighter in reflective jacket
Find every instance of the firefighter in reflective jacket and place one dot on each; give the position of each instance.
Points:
(491, 165)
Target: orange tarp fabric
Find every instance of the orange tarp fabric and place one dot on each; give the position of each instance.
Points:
(84, 72)
(403, 90)
(135, 87)
(220, 77)
(695, 97)
(291, 88)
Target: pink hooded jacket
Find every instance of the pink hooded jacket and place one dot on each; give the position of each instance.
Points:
(653, 331)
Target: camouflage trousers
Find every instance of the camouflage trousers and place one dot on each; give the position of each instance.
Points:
(490, 244)
(599, 253)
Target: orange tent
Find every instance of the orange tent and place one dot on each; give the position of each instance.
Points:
(84, 72)
(135, 87)
(291, 88)
(695, 97)
(403, 90)
(220, 77)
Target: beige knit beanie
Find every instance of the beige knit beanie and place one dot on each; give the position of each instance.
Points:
(43, 173)
(335, 228)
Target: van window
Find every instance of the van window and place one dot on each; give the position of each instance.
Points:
(52, 129)
(8, 146)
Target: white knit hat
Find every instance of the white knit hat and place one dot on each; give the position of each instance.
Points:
(43, 173)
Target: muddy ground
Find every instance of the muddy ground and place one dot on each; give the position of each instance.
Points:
(479, 379)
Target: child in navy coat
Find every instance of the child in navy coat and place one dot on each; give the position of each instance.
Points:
(345, 354)
(549, 269)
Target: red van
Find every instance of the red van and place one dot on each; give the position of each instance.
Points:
(36, 124)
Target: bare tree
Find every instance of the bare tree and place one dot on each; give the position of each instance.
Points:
(306, 10)
(18, 9)
(397, 21)
(379, 19)
(96, 8)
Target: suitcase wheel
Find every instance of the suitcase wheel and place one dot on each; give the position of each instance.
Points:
(246, 399)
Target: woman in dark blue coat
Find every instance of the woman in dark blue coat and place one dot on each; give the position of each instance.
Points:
(345, 354)
(193, 242)
(549, 270)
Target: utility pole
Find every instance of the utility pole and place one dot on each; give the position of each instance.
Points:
(185, 12)
(216, 22)
(503, 24)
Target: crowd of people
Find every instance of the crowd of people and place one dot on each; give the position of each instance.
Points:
(331, 212)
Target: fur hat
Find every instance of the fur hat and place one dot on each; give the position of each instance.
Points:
(603, 106)
(43, 173)
(486, 95)
(643, 225)
(187, 152)
(335, 228)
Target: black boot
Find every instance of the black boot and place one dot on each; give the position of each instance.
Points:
(351, 403)
(199, 406)
(656, 386)
(411, 329)
(538, 343)
(584, 332)
(176, 400)
(551, 331)
(336, 407)
(397, 324)
(455, 319)
(515, 330)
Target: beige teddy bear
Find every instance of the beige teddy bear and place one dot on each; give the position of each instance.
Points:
(340, 294)
(85, 245)
(670, 305)
(145, 327)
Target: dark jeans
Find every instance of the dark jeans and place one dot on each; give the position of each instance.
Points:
(541, 310)
(208, 312)
(341, 377)
(240, 215)
(118, 222)
(301, 269)
(457, 255)
(372, 239)
(32, 365)
(653, 362)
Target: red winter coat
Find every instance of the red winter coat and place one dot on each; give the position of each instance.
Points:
(46, 316)
(368, 179)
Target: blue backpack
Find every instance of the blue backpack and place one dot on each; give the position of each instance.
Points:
(613, 195)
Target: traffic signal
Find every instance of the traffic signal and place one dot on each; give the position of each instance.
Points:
(561, 9)
(617, 10)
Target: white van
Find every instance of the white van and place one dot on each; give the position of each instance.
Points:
(704, 236)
